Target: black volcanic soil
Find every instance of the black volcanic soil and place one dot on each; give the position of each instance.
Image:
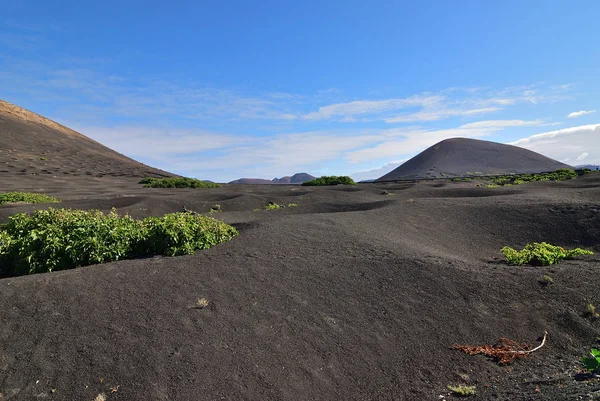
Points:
(351, 295)
(32, 145)
(464, 157)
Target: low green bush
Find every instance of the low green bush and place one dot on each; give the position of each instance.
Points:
(26, 197)
(462, 390)
(273, 206)
(516, 179)
(330, 180)
(541, 254)
(58, 239)
(177, 182)
(592, 361)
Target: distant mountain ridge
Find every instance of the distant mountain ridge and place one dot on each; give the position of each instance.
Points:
(297, 178)
(460, 157)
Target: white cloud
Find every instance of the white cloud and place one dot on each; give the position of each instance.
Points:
(433, 114)
(428, 107)
(409, 143)
(576, 114)
(503, 124)
(347, 111)
(373, 174)
(154, 143)
(582, 156)
(569, 143)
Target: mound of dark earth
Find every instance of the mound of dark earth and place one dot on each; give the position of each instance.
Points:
(462, 157)
(347, 296)
(297, 178)
(32, 145)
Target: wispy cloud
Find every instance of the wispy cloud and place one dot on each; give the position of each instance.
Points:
(428, 107)
(582, 156)
(575, 143)
(350, 110)
(504, 123)
(576, 114)
(398, 144)
(434, 115)
(156, 143)
(377, 172)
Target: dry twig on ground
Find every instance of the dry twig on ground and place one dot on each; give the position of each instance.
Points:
(504, 351)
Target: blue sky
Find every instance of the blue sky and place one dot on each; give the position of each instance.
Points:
(227, 89)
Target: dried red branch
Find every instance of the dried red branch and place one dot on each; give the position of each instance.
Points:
(504, 351)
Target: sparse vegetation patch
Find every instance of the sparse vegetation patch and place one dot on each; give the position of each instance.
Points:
(177, 182)
(590, 312)
(516, 179)
(58, 239)
(330, 180)
(273, 206)
(26, 197)
(462, 390)
(541, 254)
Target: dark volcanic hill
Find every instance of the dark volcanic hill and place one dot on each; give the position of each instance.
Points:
(251, 181)
(34, 145)
(460, 157)
(297, 178)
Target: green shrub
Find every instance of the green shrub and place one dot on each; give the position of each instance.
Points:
(592, 362)
(462, 391)
(177, 182)
(183, 233)
(273, 206)
(330, 180)
(590, 311)
(516, 179)
(26, 197)
(57, 239)
(541, 254)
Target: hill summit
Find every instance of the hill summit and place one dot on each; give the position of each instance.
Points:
(460, 157)
(31, 144)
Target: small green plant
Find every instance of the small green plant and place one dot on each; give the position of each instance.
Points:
(462, 390)
(330, 180)
(492, 186)
(592, 362)
(177, 182)
(541, 254)
(215, 208)
(26, 197)
(292, 205)
(202, 303)
(273, 206)
(545, 280)
(590, 312)
(43, 158)
(57, 239)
